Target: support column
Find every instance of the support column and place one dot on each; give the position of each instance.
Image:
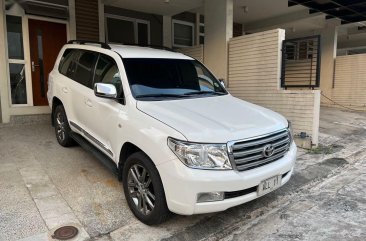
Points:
(167, 31)
(101, 21)
(197, 30)
(218, 30)
(72, 20)
(4, 88)
(329, 37)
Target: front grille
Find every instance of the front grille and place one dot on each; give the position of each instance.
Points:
(248, 154)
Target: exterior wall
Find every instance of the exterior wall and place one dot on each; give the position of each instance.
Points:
(194, 52)
(254, 76)
(349, 82)
(156, 22)
(87, 19)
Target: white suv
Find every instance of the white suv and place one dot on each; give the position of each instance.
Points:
(161, 121)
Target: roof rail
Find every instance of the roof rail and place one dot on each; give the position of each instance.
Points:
(153, 46)
(77, 41)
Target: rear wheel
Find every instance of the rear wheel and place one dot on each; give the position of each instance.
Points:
(144, 190)
(62, 128)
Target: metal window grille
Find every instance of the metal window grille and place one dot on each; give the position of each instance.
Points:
(301, 62)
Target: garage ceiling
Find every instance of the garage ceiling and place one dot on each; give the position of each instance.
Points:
(349, 11)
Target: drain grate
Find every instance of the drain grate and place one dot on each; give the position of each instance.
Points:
(65, 233)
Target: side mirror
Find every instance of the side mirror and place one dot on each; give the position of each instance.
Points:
(108, 91)
(222, 81)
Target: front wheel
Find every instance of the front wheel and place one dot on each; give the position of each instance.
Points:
(144, 190)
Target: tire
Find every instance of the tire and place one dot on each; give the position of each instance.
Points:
(62, 128)
(139, 190)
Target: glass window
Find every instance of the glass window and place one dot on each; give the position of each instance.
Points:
(17, 84)
(183, 33)
(106, 71)
(127, 30)
(65, 66)
(120, 31)
(84, 67)
(169, 78)
(15, 37)
(142, 34)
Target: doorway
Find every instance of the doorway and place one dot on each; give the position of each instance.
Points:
(45, 40)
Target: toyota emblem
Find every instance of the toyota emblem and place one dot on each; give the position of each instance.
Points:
(268, 150)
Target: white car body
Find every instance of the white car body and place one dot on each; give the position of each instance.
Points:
(148, 124)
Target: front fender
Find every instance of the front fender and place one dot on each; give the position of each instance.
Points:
(148, 134)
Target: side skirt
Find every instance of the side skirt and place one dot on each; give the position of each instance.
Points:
(108, 162)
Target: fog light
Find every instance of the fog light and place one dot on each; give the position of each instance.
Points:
(210, 197)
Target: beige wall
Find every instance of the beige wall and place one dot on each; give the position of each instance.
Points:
(194, 52)
(254, 76)
(349, 82)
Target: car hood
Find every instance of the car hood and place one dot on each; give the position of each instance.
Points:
(217, 119)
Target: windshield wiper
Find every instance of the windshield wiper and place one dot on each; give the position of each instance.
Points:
(204, 92)
(159, 95)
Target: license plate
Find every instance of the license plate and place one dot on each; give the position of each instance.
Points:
(269, 185)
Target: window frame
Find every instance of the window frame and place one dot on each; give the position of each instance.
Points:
(23, 61)
(135, 22)
(115, 62)
(192, 25)
(77, 55)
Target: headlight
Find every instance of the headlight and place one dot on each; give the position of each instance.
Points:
(201, 156)
(291, 131)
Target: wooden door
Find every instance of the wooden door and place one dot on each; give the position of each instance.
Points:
(45, 41)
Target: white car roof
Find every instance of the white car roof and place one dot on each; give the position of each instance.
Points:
(130, 51)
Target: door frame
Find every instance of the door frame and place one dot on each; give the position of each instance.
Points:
(27, 50)
(27, 57)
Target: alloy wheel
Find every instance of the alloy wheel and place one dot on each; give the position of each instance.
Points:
(60, 126)
(141, 189)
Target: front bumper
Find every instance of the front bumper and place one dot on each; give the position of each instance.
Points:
(182, 184)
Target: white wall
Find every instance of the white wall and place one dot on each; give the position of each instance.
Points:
(254, 76)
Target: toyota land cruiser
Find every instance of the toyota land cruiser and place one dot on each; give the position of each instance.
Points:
(177, 139)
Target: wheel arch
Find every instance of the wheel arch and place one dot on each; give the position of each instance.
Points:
(128, 148)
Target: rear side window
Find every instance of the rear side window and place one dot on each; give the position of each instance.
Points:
(107, 72)
(84, 67)
(66, 63)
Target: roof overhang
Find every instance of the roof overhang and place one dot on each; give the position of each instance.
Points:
(159, 7)
(46, 8)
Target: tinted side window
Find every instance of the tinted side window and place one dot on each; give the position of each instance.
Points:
(84, 67)
(65, 66)
(107, 72)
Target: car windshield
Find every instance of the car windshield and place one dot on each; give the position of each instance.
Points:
(154, 79)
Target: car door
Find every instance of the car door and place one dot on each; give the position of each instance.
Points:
(66, 82)
(81, 88)
(102, 115)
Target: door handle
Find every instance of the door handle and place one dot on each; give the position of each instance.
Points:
(89, 103)
(34, 66)
(65, 90)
